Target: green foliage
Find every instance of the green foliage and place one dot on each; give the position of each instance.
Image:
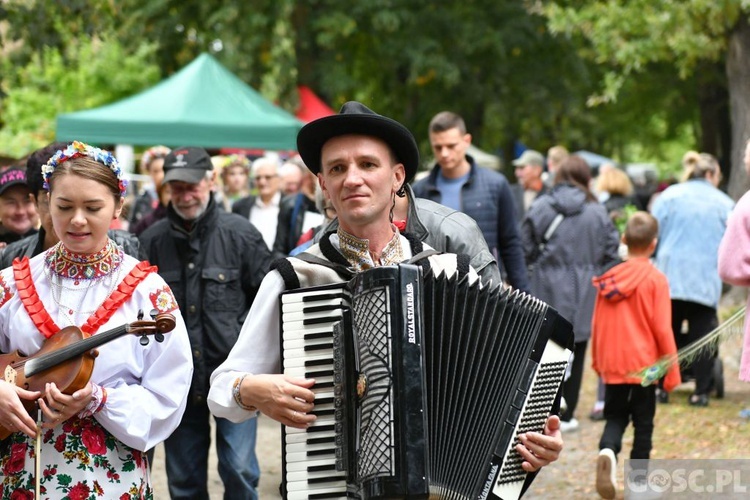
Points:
(620, 218)
(628, 36)
(513, 72)
(87, 74)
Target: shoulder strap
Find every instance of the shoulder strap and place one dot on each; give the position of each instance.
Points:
(342, 270)
(550, 231)
(422, 255)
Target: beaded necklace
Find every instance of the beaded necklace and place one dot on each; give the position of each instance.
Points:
(86, 271)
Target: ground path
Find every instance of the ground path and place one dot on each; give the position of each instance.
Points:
(681, 432)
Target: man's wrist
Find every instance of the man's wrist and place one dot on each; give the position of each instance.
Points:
(237, 394)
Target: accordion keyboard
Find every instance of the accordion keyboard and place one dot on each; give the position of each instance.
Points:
(310, 455)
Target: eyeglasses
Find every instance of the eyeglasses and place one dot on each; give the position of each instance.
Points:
(265, 177)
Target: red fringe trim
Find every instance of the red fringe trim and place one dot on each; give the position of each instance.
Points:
(30, 298)
(124, 291)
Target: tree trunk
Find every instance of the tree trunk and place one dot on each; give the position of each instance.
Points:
(713, 102)
(738, 80)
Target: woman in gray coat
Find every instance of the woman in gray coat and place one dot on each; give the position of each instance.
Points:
(568, 238)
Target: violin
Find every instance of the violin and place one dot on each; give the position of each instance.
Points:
(67, 357)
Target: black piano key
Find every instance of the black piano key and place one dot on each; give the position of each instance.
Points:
(323, 496)
(319, 347)
(322, 296)
(314, 309)
(320, 480)
(317, 453)
(320, 440)
(321, 428)
(317, 321)
(319, 335)
(323, 401)
(321, 468)
(319, 362)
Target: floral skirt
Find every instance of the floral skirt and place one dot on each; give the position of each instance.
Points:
(79, 460)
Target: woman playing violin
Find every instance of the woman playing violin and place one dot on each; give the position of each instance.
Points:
(92, 439)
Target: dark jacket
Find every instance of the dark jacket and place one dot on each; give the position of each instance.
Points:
(11, 237)
(149, 219)
(486, 198)
(143, 205)
(214, 271)
(32, 245)
(291, 218)
(445, 230)
(584, 245)
(518, 195)
(244, 206)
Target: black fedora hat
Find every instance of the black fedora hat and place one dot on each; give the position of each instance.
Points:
(356, 118)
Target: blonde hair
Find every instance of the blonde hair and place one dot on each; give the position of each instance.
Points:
(557, 154)
(615, 182)
(699, 165)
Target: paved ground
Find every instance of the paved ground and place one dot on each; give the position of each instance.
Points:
(571, 477)
(268, 450)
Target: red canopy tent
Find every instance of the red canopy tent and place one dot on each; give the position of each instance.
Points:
(311, 107)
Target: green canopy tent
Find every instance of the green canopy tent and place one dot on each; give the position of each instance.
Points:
(203, 104)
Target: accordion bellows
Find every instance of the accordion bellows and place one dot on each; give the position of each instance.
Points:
(422, 385)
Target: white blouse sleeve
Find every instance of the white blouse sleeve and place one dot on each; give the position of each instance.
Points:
(146, 386)
(257, 350)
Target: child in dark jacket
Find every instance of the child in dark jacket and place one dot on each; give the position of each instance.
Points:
(631, 329)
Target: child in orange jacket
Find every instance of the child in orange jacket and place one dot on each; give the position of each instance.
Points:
(631, 329)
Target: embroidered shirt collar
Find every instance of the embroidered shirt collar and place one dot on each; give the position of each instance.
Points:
(76, 266)
(357, 251)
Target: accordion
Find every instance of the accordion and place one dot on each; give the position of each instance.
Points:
(423, 384)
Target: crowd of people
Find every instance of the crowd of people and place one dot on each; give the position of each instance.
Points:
(214, 241)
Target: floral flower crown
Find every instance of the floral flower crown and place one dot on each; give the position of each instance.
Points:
(239, 160)
(79, 149)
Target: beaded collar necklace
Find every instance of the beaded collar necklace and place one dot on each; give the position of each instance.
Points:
(66, 264)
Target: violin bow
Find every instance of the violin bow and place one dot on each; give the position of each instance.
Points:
(38, 453)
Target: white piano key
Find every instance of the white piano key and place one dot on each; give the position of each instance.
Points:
(292, 307)
(320, 422)
(311, 489)
(302, 437)
(304, 447)
(301, 360)
(291, 298)
(302, 343)
(302, 456)
(303, 466)
(305, 476)
(305, 495)
(302, 354)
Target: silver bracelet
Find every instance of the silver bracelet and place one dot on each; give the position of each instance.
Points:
(238, 396)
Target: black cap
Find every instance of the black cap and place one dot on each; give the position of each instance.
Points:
(356, 118)
(14, 176)
(187, 165)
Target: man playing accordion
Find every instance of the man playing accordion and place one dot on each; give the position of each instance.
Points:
(362, 161)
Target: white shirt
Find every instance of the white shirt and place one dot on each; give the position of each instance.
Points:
(264, 216)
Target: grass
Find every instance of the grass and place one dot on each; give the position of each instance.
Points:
(681, 431)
